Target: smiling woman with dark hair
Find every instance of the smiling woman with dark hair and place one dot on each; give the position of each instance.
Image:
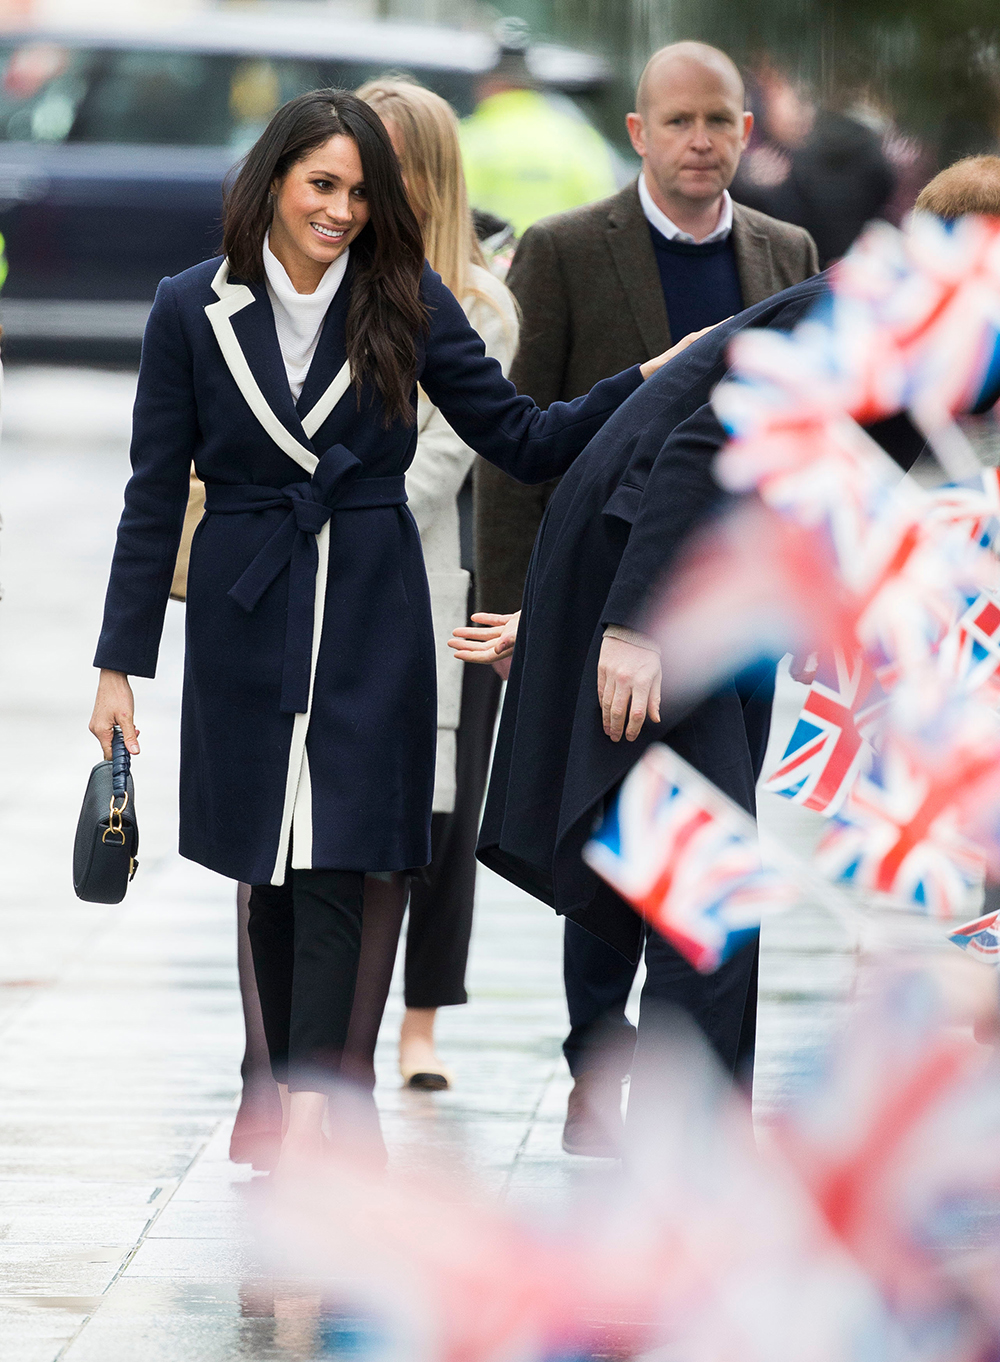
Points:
(287, 372)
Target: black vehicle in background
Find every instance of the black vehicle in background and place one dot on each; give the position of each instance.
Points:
(114, 146)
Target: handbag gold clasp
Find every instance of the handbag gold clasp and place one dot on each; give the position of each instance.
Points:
(114, 828)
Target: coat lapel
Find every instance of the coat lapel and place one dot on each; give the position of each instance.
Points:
(754, 261)
(635, 261)
(244, 327)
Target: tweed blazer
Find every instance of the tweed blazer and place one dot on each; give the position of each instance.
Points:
(591, 300)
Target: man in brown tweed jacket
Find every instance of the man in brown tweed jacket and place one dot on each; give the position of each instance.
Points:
(601, 288)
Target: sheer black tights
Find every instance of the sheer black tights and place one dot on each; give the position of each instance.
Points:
(385, 905)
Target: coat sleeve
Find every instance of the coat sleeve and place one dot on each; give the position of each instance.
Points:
(680, 494)
(164, 437)
(442, 460)
(485, 409)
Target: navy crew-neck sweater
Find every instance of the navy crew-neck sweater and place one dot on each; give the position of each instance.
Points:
(701, 285)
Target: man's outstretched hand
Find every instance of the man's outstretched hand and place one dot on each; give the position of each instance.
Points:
(493, 641)
(628, 687)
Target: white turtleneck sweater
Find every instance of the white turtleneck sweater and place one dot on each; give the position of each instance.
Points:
(298, 317)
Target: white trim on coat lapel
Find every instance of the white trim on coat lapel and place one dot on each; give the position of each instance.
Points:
(313, 419)
(234, 298)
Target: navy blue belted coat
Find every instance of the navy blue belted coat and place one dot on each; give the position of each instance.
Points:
(309, 717)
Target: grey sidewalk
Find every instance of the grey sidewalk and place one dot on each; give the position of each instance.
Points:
(122, 1229)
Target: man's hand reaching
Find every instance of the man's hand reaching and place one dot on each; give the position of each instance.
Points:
(628, 687)
(493, 641)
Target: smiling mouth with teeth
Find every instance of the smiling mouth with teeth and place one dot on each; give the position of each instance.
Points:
(333, 233)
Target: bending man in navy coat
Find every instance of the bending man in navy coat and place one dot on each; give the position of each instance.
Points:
(610, 530)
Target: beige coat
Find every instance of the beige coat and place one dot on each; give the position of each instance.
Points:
(433, 482)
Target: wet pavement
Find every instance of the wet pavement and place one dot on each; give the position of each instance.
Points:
(122, 1223)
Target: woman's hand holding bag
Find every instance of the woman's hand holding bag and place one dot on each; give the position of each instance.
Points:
(107, 835)
(114, 707)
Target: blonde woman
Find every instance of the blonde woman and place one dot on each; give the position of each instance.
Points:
(424, 132)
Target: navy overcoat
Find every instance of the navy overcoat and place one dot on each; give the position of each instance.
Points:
(609, 531)
(309, 716)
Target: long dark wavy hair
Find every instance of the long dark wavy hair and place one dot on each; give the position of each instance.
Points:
(386, 315)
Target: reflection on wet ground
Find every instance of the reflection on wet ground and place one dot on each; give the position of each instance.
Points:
(124, 1229)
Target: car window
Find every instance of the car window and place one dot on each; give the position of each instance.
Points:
(156, 98)
(149, 97)
(457, 87)
(258, 86)
(41, 87)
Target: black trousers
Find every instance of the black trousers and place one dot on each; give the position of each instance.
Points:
(723, 1005)
(305, 936)
(442, 895)
(598, 979)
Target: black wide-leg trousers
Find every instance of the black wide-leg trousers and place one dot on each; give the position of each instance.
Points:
(442, 895)
(305, 936)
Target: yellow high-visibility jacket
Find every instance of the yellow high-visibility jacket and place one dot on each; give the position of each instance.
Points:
(525, 158)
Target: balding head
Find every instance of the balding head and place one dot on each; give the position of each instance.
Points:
(969, 186)
(690, 128)
(664, 64)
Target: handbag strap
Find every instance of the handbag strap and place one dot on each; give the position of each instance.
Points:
(121, 764)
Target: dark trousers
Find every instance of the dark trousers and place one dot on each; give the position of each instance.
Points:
(722, 1005)
(442, 895)
(305, 936)
(598, 979)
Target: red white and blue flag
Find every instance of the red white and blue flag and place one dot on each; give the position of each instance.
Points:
(970, 652)
(980, 938)
(686, 858)
(901, 831)
(832, 739)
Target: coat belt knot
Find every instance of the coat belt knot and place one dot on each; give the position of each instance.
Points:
(334, 486)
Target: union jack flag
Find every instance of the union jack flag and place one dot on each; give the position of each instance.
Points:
(980, 938)
(752, 584)
(900, 832)
(896, 1139)
(686, 858)
(970, 653)
(934, 294)
(831, 740)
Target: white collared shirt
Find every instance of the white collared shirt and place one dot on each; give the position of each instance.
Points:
(298, 317)
(657, 218)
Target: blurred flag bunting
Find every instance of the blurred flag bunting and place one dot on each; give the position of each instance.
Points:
(686, 858)
(980, 938)
(900, 832)
(828, 744)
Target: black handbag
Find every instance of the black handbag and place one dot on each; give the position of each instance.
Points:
(107, 835)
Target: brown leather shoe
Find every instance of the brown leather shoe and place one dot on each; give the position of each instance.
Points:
(594, 1125)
